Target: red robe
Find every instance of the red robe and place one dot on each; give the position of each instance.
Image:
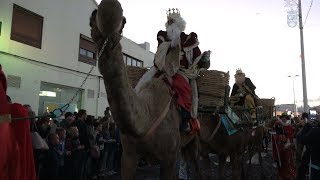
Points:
(284, 155)
(16, 157)
(180, 84)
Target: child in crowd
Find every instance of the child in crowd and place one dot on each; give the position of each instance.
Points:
(53, 159)
(61, 149)
(74, 150)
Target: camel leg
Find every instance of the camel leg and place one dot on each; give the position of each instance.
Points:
(222, 163)
(168, 167)
(196, 168)
(207, 166)
(235, 162)
(128, 165)
(195, 158)
(243, 162)
(250, 154)
(261, 165)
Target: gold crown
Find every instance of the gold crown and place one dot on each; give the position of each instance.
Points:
(239, 71)
(173, 11)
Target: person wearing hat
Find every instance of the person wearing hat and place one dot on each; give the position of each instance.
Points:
(243, 93)
(176, 53)
(283, 147)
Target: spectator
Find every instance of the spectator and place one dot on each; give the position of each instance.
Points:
(75, 161)
(100, 144)
(302, 157)
(82, 127)
(44, 127)
(310, 138)
(67, 121)
(117, 162)
(52, 159)
(61, 148)
(112, 147)
(304, 138)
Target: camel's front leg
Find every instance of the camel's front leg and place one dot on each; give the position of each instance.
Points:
(168, 167)
(236, 166)
(222, 163)
(129, 163)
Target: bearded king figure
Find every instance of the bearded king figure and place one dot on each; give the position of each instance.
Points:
(243, 93)
(179, 60)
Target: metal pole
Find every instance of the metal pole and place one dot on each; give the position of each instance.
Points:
(294, 94)
(304, 81)
(294, 99)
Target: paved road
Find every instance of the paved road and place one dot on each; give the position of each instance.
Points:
(153, 172)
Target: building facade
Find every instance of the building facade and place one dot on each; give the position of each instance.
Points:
(46, 52)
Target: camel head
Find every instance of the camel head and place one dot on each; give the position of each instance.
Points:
(107, 23)
(107, 19)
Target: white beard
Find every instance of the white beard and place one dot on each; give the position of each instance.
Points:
(173, 32)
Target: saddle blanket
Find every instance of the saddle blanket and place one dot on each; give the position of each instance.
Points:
(228, 124)
(232, 115)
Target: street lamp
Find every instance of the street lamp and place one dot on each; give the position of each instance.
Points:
(293, 18)
(294, 94)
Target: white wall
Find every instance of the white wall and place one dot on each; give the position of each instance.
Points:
(63, 22)
(32, 74)
(134, 50)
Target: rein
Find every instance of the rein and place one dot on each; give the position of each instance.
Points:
(157, 122)
(214, 132)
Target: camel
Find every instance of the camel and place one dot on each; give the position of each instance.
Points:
(214, 139)
(136, 112)
(255, 146)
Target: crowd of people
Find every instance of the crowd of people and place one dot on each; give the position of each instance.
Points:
(78, 147)
(296, 147)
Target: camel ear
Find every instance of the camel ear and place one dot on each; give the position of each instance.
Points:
(124, 21)
(93, 18)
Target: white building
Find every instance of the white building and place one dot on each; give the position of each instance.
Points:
(46, 53)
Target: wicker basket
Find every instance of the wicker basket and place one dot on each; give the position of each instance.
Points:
(134, 74)
(266, 102)
(267, 107)
(212, 85)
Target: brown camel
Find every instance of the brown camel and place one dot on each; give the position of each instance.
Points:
(135, 112)
(223, 145)
(255, 146)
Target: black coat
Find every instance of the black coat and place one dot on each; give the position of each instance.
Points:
(248, 83)
(309, 136)
(83, 132)
(51, 164)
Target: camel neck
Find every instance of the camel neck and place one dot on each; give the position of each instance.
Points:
(121, 96)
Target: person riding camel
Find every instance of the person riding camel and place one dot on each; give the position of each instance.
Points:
(243, 93)
(178, 60)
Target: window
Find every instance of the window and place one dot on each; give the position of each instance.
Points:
(52, 96)
(26, 27)
(87, 50)
(130, 61)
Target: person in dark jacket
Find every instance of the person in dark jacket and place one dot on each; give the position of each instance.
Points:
(243, 93)
(309, 137)
(302, 151)
(82, 127)
(53, 159)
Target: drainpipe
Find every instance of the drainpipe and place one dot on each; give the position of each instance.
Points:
(98, 96)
